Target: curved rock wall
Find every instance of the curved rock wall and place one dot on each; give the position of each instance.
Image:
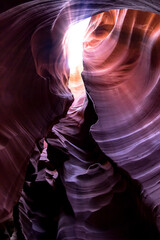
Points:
(106, 149)
(126, 76)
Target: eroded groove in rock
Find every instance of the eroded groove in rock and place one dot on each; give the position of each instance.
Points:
(43, 198)
(123, 81)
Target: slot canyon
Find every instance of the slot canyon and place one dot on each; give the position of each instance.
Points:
(79, 138)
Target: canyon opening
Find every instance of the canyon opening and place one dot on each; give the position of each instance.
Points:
(79, 120)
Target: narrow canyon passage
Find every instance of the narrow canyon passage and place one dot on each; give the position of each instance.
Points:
(98, 174)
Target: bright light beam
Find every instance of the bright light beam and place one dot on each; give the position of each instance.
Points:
(75, 38)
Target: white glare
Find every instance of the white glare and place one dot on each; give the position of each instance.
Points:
(75, 39)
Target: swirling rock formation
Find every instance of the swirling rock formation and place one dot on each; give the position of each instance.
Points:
(101, 177)
(126, 76)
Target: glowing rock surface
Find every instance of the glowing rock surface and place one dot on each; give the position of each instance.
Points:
(102, 172)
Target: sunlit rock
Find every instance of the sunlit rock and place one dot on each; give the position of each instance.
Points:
(98, 175)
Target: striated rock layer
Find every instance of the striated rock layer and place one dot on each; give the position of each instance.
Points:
(126, 76)
(101, 177)
(27, 102)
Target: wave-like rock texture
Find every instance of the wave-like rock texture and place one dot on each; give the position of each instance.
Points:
(106, 146)
(28, 105)
(125, 69)
(106, 203)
